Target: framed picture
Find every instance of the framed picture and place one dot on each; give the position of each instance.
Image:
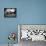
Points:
(33, 32)
(10, 12)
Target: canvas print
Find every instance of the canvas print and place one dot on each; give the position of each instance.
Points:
(9, 12)
(33, 32)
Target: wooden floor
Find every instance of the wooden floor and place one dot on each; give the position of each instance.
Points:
(30, 43)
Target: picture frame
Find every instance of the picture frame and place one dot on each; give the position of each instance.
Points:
(10, 12)
(34, 32)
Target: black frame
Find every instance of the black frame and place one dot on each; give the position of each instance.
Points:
(7, 14)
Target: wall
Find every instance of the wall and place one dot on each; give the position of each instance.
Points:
(28, 12)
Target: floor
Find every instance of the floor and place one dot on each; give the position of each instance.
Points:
(7, 45)
(30, 43)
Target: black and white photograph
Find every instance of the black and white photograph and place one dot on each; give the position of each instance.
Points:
(9, 12)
